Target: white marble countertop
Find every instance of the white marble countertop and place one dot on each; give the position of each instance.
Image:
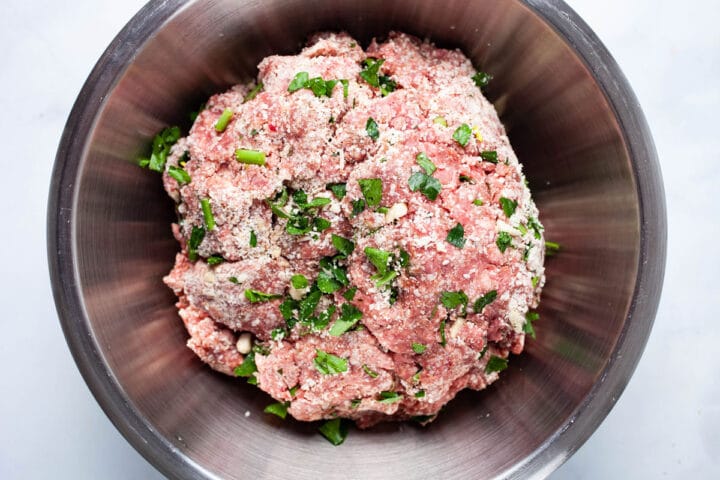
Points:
(666, 424)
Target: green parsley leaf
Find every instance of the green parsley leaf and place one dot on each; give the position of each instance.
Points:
(489, 156)
(508, 206)
(223, 121)
(234, 280)
(248, 367)
(327, 283)
(418, 348)
(253, 239)
(215, 260)
(179, 174)
(338, 189)
(299, 81)
(384, 279)
(427, 185)
(335, 431)
(370, 371)
(253, 296)
(456, 236)
(322, 320)
(387, 85)
(481, 79)
(496, 364)
(280, 409)
(299, 281)
(504, 240)
(466, 178)
(389, 397)
(424, 161)
(371, 127)
(321, 224)
(451, 300)
(349, 317)
(370, 72)
(551, 248)
(253, 93)
(478, 202)
(420, 394)
(162, 143)
(484, 301)
(358, 206)
(462, 134)
(536, 227)
(278, 333)
(250, 157)
(371, 189)
(294, 390)
(535, 281)
(329, 364)
(207, 214)
(196, 237)
(345, 85)
(404, 258)
(349, 295)
(522, 229)
(379, 258)
(319, 87)
(307, 305)
(530, 317)
(343, 245)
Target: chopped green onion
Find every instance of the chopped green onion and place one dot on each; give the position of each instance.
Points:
(456, 236)
(372, 373)
(280, 409)
(250, 157)
(179, 174)
(329, 364)
(484, 301)
(253, 93)
(551, 248)
(489, 156)
(253, 239)
(496, 364)
(223, 121)
(371, 189)
(162, 143)
(335, 431)
(207, 214)
(418, 348)
(389, 397)
(215, 260)
(462, 134)
(196, 237)
(503, 241)
(371, 127)
(424, 161)
(253, 296)
(508, 206)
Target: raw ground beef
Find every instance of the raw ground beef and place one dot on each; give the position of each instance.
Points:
(419, 340)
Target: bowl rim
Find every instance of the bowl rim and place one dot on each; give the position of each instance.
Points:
(556, 449)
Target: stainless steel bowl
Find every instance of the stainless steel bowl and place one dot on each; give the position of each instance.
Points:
(575, 125)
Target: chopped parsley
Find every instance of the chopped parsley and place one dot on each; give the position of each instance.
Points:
(420, 394)
(371, 127)
(484, 301)
(424, 161)
(223, 121)
(481, 79)
(162, 143)
(371, 189)
(389, 397)
(418, 348)
(332, 276)
(329, 364)
(196, 237)
(343, 245)
(371, 74)
(349, 295)
(478, 202)
(466, 178)
(299, 281)
(535, 281)
(462, 134)
(253, 296)
(504, 240)
(317, 85)
(349, 317)
(496, 364)
(279, 409)
(215, 260)
(427, 185)
(207, 214)
(234, 280)
(179, 174)
(294, 390)
(335, 431)
(551, 248)
(530, 317)
(452, 300)
(379, 258)
(248, 367)
(298, 82)
(536, 227)
(277, 333)
(372, 373)
(489, 156)
(253, 239)
(456, 236)
(508, 206)
(250, 157)
(337, 189)
(253, 93)
(443, 340)
(358, 206)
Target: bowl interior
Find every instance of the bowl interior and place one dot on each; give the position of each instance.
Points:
(565, 132)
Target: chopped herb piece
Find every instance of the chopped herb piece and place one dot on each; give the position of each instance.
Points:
(427, 185)
(508, 206)
(422, 418)
(223, 121)
(254, 132)
(215, 260)
(535, 281)
(387, 277)
(478, 202)
(234, 280)
(277, 333)
(481, 79)
(322, 320)
(389, 397)
(440, 121)
(253, 93)
(355, 402)
(279, 409)
(536, 227)
(522, 229)
(335, 431)
(320, 87)
(327, 283)
(424, 161)
(379, 258)
(370, 371)
(484, 301)
(343, 245)
(350, 294)
(387, 85)
(451, 300)
(248, 367)
(462, 134)
(404, 258)
(179, 174)
(299, 281)
(207, 214)
(416, 377)
(349, 317)
(317, 202)
(418, 348)
(329, 364)
(307, 305)
(503, 241)
(196, 237)
(370, 72)
(345, 85)
(294, 390)
(526, 253)
(299, 225)
(496, 364)
(193, 115)
(321, 224)
(530, 317)
(253, 296)
(371, 189)
(162, 142)
(371, 127)
(253, 239)
(287, 309)
(338, 189)
(358, 206)
(250, 157)
(551, 248)
(383, 210)
(489, 156)
(483, 351)
(299, 81)
(465, 178)
(420, 394)
(443, 340)
(456, 236)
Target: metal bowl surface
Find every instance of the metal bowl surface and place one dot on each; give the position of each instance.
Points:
(586, 148)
